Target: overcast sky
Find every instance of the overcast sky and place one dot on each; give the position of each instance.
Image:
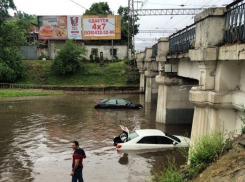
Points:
(68, 7)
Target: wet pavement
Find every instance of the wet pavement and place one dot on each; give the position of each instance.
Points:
(36, 135)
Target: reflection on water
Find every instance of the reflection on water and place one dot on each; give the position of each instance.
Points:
(35, 137)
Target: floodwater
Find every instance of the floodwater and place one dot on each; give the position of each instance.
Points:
(36, 135)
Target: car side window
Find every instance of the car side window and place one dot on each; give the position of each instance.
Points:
(148, 140)
(121, 102)
(164, 140)
(111, 102)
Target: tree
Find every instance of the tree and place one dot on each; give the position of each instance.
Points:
(123, 12)
(68, 59)
(101, 8)
(12, 36)
(4, 6)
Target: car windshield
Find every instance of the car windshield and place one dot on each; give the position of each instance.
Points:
(127, 101)
(104, 100)
(132, 135)
(173, 137)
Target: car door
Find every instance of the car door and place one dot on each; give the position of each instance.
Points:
(147, 142)
(112, 104)
(164, 142)
(121, 104)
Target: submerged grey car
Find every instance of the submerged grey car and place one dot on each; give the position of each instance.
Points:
(117, 103)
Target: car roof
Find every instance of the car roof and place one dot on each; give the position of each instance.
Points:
(115, 98)
(149, 132)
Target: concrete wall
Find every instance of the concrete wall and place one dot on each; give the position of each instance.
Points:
(29, 52)
(54, 46)
(208, 119)
(242, 76)
(208, 23)
(228, 74)
(121, 51)
(188, 69)
(178, 107)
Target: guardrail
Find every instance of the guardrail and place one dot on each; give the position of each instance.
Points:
(105, 89)
(181, 41)
(234, 29)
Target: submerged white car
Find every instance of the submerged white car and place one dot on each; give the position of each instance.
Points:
(148, 139)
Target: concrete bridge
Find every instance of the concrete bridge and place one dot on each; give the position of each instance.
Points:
(197, 75)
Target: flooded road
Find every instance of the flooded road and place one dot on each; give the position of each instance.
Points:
(36, 135)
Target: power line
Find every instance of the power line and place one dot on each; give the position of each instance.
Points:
(158, 31)
(78, 4)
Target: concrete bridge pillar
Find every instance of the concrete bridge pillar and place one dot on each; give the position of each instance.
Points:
(142, 81)
(150, 65)
(140, 65)
(173, 104)
(151, 87)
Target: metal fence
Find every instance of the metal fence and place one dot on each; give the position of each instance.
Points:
(181, 41)
(234, 22)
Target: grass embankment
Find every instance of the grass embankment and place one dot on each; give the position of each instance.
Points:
(19, 93)
(92, 75)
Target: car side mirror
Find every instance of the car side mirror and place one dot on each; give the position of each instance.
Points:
(175, 143)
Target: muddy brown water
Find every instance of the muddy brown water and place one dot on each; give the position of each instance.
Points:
(36, 135)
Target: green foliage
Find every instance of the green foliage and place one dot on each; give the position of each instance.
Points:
(241, 115)
(16, 93)
(43, 56)
(91, 74)
(4, 6)
(69, 59)
(12, 36)
(169, 173)
(101, 8)
(125, 20)
(11, 67)
(205, 150)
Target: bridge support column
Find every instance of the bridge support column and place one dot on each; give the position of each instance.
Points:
(151, 87)
(142, 82)
(173, 104)
(214, 112)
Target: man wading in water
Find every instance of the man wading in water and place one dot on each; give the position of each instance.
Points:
(77, 162)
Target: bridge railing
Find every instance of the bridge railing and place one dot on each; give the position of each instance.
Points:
(181, 41)
(234, 22)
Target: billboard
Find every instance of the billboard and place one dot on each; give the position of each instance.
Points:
(95, 27)
(74, 27)
(59, 27)
(87, 27)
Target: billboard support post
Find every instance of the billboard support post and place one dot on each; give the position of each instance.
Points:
(112, 51)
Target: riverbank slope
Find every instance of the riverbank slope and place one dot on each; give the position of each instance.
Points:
(110, 74)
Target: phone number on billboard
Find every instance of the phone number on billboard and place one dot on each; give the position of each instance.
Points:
(105, 32)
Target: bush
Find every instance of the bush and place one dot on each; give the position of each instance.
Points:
(11, 66)
(43, 56)
(205, 150)
(169, 173)
(242, 117)
(69, 59)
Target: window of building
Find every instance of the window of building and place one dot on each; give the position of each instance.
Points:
(94, 51)
(114, 52)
